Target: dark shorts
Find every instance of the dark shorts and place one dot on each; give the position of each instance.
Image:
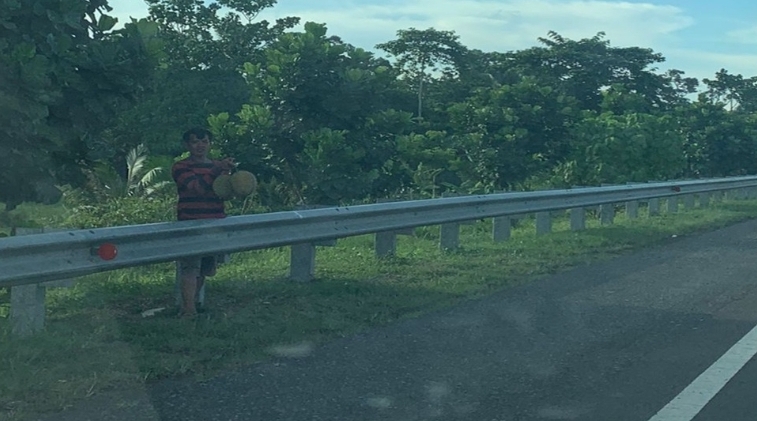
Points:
(206, 265)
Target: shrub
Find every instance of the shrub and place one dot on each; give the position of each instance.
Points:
(128, 210)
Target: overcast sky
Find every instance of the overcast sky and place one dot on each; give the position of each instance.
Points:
(697, 36)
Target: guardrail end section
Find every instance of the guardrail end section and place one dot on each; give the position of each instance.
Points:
(27, 311)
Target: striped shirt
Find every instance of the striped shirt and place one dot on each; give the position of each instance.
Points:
(194, 182)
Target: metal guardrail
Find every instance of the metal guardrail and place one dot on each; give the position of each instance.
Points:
(50, 256)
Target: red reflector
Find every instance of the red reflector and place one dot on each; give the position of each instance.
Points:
(676, 189)
(107, 251)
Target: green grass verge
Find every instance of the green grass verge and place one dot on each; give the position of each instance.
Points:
(97, 340)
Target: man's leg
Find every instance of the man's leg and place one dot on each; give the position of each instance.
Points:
(199, 297)
(190, 272)
(207, 268)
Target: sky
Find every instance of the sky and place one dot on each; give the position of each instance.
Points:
(699, 37)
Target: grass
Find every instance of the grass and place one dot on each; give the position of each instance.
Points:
(96, 339)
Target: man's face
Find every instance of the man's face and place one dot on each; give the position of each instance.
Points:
(198, 148)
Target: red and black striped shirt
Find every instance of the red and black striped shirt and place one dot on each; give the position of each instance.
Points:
(194, 182)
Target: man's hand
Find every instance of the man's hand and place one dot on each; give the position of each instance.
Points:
(227, 164)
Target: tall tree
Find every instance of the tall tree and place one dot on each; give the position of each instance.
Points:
(422, 53)
(64, 73)
(585, 68)
(222, 34)
(735, 92)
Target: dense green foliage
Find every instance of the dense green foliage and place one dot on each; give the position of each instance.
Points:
(64, 74)
(321, 121)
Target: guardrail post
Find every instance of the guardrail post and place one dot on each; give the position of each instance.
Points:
(501, 229)
(596, 208)
(302, 255)
(449, 238)
(653, 206)
(689, 201)
(632, 207)
(577, 216)
(672, 204)
(577, 219)
(385, 242)
(502, 226)
(27, 311)
(543, 223)
(302, 262)
(449, 233)
(704, 199)
(717, 196)
(607, 211)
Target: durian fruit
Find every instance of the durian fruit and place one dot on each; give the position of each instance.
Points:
(243, 183)
(222, 187)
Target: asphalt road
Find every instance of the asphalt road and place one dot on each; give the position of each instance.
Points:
(613, 341)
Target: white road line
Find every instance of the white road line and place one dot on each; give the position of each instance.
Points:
(691, 400)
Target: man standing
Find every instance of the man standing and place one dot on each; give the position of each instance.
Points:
(194, 177)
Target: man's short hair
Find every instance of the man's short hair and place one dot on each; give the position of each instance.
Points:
(198, 133)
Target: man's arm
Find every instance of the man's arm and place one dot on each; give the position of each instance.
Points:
(187, 179)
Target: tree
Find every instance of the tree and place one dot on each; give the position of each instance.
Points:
(717, 142)
(220, 34)
(64, 73)
(420, 52)
(206, 45)
(313, 120)
(515, 130)
(616, 148)
(734, 92)
(177, 98)
(585, 68)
